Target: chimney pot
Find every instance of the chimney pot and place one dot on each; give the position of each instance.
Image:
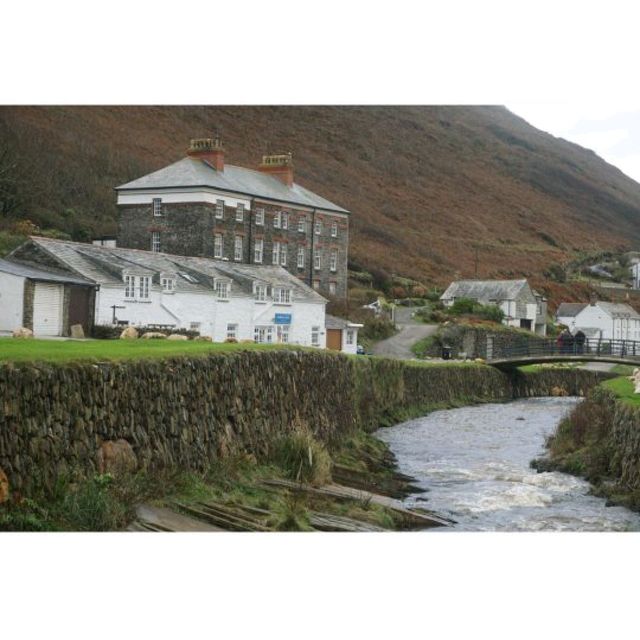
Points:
(279, 165)
(209, 150)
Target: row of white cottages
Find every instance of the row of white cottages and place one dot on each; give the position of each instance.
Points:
(49, 285)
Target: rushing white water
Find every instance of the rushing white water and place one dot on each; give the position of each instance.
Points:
(474, 463)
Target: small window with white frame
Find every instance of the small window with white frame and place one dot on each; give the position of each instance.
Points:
(263, 334)
(277, 220)
(282, 295)
(194, 326)
(349, 338)
(157, 207)
(332, 288)
(333, 260)
(302, 224)
(232, 332)
(168, 284)
(220, 209)
(129, 287)
(315, 336)
(239, 212)
(284, 254)
(300, 258)
(317, 261)
(260, 217)
(222, 290)
(275, 253)
(237, 249)
(218, 245)
(260, 292)
(318, 227)
(143, 287)
(285, 220)
(334, 229)
(257, 251)
(155, 241)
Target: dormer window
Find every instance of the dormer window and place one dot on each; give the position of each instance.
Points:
(222, 290)
(129, 287)
(136, 287)
(168, 284)
(157, 207)
(260, 292)
(282, 295)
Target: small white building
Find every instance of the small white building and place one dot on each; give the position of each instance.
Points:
(342, 335)
(46, 300)
(522, 306)
(604, 320)
(261, 303)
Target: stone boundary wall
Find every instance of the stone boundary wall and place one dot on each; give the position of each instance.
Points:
(185, 412)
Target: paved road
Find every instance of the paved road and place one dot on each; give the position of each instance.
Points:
(399, 346)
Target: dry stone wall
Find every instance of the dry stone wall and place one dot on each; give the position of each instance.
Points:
(186, 412)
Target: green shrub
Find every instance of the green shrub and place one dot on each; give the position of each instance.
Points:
(302, 458)
(462, 306)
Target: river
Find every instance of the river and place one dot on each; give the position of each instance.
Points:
(474, 464)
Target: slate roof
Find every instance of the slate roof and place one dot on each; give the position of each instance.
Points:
(618, 309)
(484, 290)
(332, 322)
(194, 172)
(570, 309)
(41, 274)
(106, 266)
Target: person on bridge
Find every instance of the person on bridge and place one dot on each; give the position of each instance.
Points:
(580, 338)
(565, 341)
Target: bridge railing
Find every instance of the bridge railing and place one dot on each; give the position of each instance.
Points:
(589, 347)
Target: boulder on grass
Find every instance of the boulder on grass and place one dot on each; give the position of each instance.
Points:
(177, 336)
(116, 457)
(77, 331)
(153, 335)
(4, 487)
(204, 339)
(130, 333)
(22, 332)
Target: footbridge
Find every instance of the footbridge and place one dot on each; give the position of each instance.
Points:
(537, 351)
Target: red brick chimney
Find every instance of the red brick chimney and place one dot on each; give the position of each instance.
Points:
(279, 166)
(210, 150)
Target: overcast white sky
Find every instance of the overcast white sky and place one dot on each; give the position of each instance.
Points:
(613, 132)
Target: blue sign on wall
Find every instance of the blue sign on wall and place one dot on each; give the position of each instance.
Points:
(282, 318)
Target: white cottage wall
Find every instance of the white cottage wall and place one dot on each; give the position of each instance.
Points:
(11, 301)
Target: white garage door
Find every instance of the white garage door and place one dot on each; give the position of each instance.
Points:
(47, 309)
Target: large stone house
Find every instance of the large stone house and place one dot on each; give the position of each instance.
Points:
(523, 307)
(202, 206)
(600, 320)
(263, 303)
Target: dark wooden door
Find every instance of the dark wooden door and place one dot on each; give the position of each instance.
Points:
(334, 339)
(79, 307)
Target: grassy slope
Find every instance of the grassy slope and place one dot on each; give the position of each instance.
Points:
(414, 177)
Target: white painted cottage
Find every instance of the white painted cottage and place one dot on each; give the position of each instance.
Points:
(605, 320)
(522, 306)
(219, 299)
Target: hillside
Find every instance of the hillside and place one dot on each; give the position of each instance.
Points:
(429, 187)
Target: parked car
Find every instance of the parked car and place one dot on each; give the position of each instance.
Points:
(360, 350)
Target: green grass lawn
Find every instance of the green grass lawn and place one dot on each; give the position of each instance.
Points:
(15, 350)
(623, 388)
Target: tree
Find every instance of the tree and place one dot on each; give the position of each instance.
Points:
(9, 178)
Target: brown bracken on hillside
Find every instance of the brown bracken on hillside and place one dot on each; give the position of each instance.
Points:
(430, 188)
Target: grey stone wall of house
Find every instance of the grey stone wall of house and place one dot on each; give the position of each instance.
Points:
(190, 229)
(27, 304)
